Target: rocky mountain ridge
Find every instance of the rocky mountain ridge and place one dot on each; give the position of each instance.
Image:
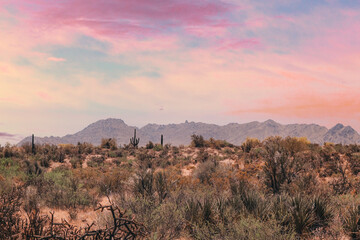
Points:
(177, 134)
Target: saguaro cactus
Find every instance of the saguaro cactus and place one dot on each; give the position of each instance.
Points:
(33, 144)
(162, 140)
(134, 141)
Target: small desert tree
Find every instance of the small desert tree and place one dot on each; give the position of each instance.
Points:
(197, 141)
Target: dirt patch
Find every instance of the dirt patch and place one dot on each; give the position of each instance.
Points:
(187, 170)
(227, 162)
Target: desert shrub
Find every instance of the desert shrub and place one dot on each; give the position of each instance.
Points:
(149, 145)
(305, 183)
(108, 143)
(115, 153)
(118, 160)
(197, 141)
(138, 206)
(202, 156)
(65, 190)
(249, 144)
(354, 160)
(27, 147)
(35, 222)
(145, 161)
(252, 228)
(44, 160)
(175, 150)
(32, 168)
(96, 161)
(327, 151)
(168, 221)
(59, 156)
(10, 168)
(279, 167)
(84, 148)
(112, 182)
(256, 152)
(158, 147)
(76, 162)
(204, 171)
(340, 148)
(217, 144)
(295, 145)
(143, 183)
(161, 185)
(10, 218)
(340, 185)
(66, 148)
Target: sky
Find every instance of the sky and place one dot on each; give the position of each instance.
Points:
(67, 63)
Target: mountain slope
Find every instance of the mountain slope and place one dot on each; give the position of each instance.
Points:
(177, 134)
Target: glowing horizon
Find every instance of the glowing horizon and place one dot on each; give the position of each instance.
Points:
(65, 64)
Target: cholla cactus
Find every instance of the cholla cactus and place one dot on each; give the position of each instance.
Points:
(134, 141)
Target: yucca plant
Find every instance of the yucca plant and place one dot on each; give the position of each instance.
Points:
(161, 185)
(322, 210)
(206, 210)
(143, 183)
(192, 210)
(302, 214)
(279, 210)
(352, 222)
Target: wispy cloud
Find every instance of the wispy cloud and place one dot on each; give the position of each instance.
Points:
(55, 59)
(8, 135)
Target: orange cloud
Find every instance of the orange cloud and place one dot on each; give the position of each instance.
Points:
(341, 106)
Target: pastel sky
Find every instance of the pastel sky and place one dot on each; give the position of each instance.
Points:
(67, 63)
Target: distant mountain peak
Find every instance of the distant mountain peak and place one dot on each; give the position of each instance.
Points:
(271, 122)
(341, 134)
(337, 127)
(110, 120)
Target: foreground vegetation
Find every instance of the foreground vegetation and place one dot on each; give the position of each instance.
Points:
(274, 189)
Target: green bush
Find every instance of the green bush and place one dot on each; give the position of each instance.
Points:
(65, 190)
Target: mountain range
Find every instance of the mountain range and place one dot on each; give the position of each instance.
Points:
(177, 134)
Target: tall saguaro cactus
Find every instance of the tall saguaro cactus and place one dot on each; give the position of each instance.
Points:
(162, 140)
(33, 144)
(134, 141)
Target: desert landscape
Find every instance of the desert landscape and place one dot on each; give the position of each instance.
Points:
(278, 188)
(179, 119)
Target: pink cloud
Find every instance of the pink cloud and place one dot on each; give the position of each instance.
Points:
(121, 17)
(235, 44)
(44, 96)
(55, 59)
